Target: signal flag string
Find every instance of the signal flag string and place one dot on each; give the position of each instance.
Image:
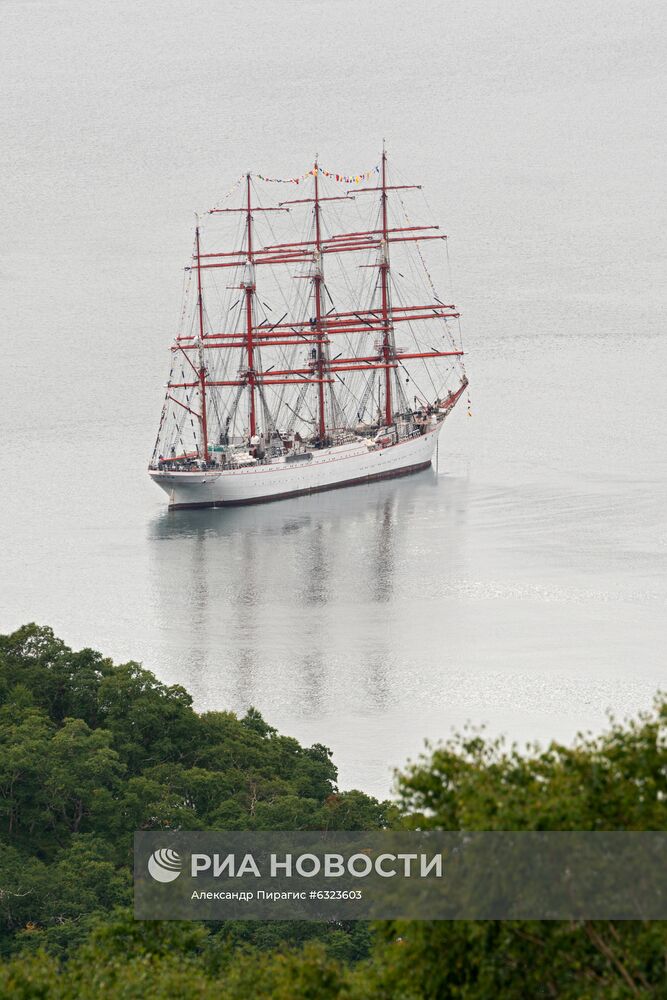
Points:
(230, 192)
(365, 175)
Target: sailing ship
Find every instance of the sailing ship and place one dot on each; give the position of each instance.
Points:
(310, 369)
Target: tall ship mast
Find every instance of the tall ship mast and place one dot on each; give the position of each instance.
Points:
(301, 363)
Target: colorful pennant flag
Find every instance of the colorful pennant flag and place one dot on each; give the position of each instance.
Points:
(341, 178)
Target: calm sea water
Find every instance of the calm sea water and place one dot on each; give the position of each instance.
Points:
(523, 584)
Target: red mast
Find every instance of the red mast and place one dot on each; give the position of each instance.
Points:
(318, 281)
(249, 292)
(386, 315)
(317, 285)
(202, 367)
(249, 289)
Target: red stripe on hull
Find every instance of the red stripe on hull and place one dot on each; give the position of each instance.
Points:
(392, 474)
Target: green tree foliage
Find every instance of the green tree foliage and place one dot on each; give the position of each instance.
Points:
(90, 752)
(617, 781)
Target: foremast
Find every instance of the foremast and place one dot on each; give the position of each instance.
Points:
(387, 351)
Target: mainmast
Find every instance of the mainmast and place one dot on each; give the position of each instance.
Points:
(320, 247)
(202, 365)
(249, 287)
(387, 328)
(317, 287)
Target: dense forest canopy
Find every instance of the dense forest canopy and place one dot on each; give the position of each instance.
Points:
(91, 752)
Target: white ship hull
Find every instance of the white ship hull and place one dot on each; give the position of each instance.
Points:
(328, 469)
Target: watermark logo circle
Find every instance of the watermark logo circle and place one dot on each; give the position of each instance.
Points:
(165, 865)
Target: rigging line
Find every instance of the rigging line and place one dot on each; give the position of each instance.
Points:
(428, 273)
(300, 296)
(235, 236)
(443, 332)
(187, 278)
(412, 380)
(418, 248)
(270, 428)
(345, 386)
(451, 285)
(362, 320)
(423, 361)
(354, 294)
(363, 224)
(159, 431)
(272, 328)
(284, 403)
(299, 306)
(216, 409)
(227, 195)
(233, 408)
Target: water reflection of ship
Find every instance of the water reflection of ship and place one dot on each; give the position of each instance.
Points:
(274, 601)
